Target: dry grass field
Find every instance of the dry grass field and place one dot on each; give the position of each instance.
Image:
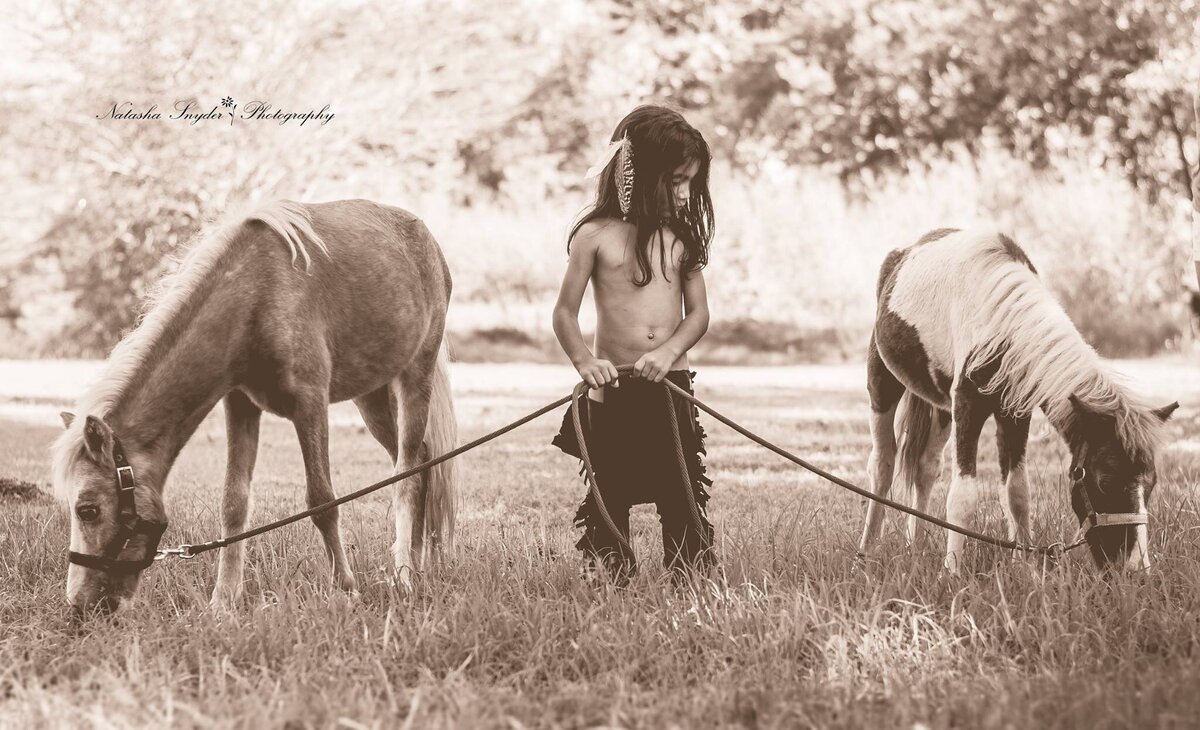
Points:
(506, 634)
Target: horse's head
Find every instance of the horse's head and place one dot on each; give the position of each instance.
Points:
(1112, 478)
(116, 520)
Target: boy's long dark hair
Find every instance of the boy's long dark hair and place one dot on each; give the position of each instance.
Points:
(662, 140)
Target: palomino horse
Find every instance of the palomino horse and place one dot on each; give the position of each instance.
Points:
(241, 321)
(966, 330)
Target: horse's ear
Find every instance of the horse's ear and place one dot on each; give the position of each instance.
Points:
(98, 439)
(68, 418)
(1165, 412)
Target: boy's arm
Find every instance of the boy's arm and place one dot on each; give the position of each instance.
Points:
(655, 364)
(595, 372)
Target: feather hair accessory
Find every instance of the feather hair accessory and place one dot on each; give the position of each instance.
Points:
(622, 150)
(624, 176)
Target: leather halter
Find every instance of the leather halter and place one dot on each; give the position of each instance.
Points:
(1094, 519)
(129, 525)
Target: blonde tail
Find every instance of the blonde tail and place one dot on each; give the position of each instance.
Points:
(441, 435)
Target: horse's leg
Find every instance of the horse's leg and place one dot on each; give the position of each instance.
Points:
(416, 386)
(971, 411)
(380, 412)
(928, 468)
(311, 419)
(241, 428)
(885, 392)
(1011, 437)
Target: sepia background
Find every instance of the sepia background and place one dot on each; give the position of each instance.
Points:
(840, 129)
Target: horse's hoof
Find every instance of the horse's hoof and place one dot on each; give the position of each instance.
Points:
(352, 596)
(346, 583)
(224, 601)
(864, 566)
(950, 566)
(222, 608)
(403, 579)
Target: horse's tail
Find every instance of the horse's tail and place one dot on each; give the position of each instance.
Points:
(441, 435)
(914, 420)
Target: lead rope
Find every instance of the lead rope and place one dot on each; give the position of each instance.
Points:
(688, 494)
(580, 391)
(191, 551)
(1051, 549)
(577, 395)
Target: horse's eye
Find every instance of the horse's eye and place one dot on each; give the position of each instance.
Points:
(87, 512)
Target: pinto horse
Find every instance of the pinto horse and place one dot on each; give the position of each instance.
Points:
(965, 330)
(240, 321)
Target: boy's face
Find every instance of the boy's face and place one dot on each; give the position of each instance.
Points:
(675, 197)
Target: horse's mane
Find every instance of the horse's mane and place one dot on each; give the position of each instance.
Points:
(162, 307)
(1043, 358)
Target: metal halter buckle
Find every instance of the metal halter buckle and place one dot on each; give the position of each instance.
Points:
(125, 478)
(183, 551)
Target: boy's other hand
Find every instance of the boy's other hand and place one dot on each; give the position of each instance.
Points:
(598, 372)
(653, 366)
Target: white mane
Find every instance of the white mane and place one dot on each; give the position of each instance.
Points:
(288, 219)
(1045, 360)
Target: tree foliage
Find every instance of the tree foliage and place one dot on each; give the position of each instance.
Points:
(873, 87)
(470, 101)
(129, 193)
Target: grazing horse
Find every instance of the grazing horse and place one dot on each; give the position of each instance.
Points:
(241, 321)
(966, 330)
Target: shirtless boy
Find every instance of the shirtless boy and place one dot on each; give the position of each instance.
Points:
(642, 247)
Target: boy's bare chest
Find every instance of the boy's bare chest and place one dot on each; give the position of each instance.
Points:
(618, 268)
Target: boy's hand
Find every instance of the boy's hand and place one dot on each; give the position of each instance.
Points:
(653, 366)
(597, 372)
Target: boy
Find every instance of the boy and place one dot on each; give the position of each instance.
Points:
(642, 247)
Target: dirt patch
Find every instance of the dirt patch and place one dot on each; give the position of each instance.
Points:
(17, 489)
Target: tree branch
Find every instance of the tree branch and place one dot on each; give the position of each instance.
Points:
(1195, 176)
(1185, 172)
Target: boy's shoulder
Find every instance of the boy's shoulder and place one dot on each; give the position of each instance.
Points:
(598, 230)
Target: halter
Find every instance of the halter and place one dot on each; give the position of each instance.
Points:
(1094, 519)
(129, 524)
